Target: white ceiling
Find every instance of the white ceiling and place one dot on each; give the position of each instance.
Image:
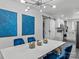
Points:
(64, 7)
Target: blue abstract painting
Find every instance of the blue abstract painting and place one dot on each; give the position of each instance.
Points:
(28, 25)
(8, 23)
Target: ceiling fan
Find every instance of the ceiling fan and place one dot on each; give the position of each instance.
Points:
(39, 3)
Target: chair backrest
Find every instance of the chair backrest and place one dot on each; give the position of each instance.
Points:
(52, 55)
(65, 52)
(31, 39)
(68, 49)
(62, 57)
(18, 41)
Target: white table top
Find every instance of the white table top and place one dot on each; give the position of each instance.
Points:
(23, 52)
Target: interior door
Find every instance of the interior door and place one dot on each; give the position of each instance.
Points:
(52, 29)
(47, 28)
(77, 35)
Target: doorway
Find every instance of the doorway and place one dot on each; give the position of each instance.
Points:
(77, 35)
(52, 29)
(48, 27)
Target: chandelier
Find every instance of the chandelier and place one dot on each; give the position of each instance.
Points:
(38, 3)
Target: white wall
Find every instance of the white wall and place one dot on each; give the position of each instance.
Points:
(59, 21)
(59, 35)
(19, 8)
(71, 35)
(52, 25)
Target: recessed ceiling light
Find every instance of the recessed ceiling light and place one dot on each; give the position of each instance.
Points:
(54, 6)
(41, 11)
(26, 10)
(28, 7)
(44, 6)
(53, 0)
(22, 1)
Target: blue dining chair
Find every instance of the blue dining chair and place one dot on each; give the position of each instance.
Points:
(65, 53)
(68, 51)
(31, 39)
(62, 55)
(18, 41)
(51, 55)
